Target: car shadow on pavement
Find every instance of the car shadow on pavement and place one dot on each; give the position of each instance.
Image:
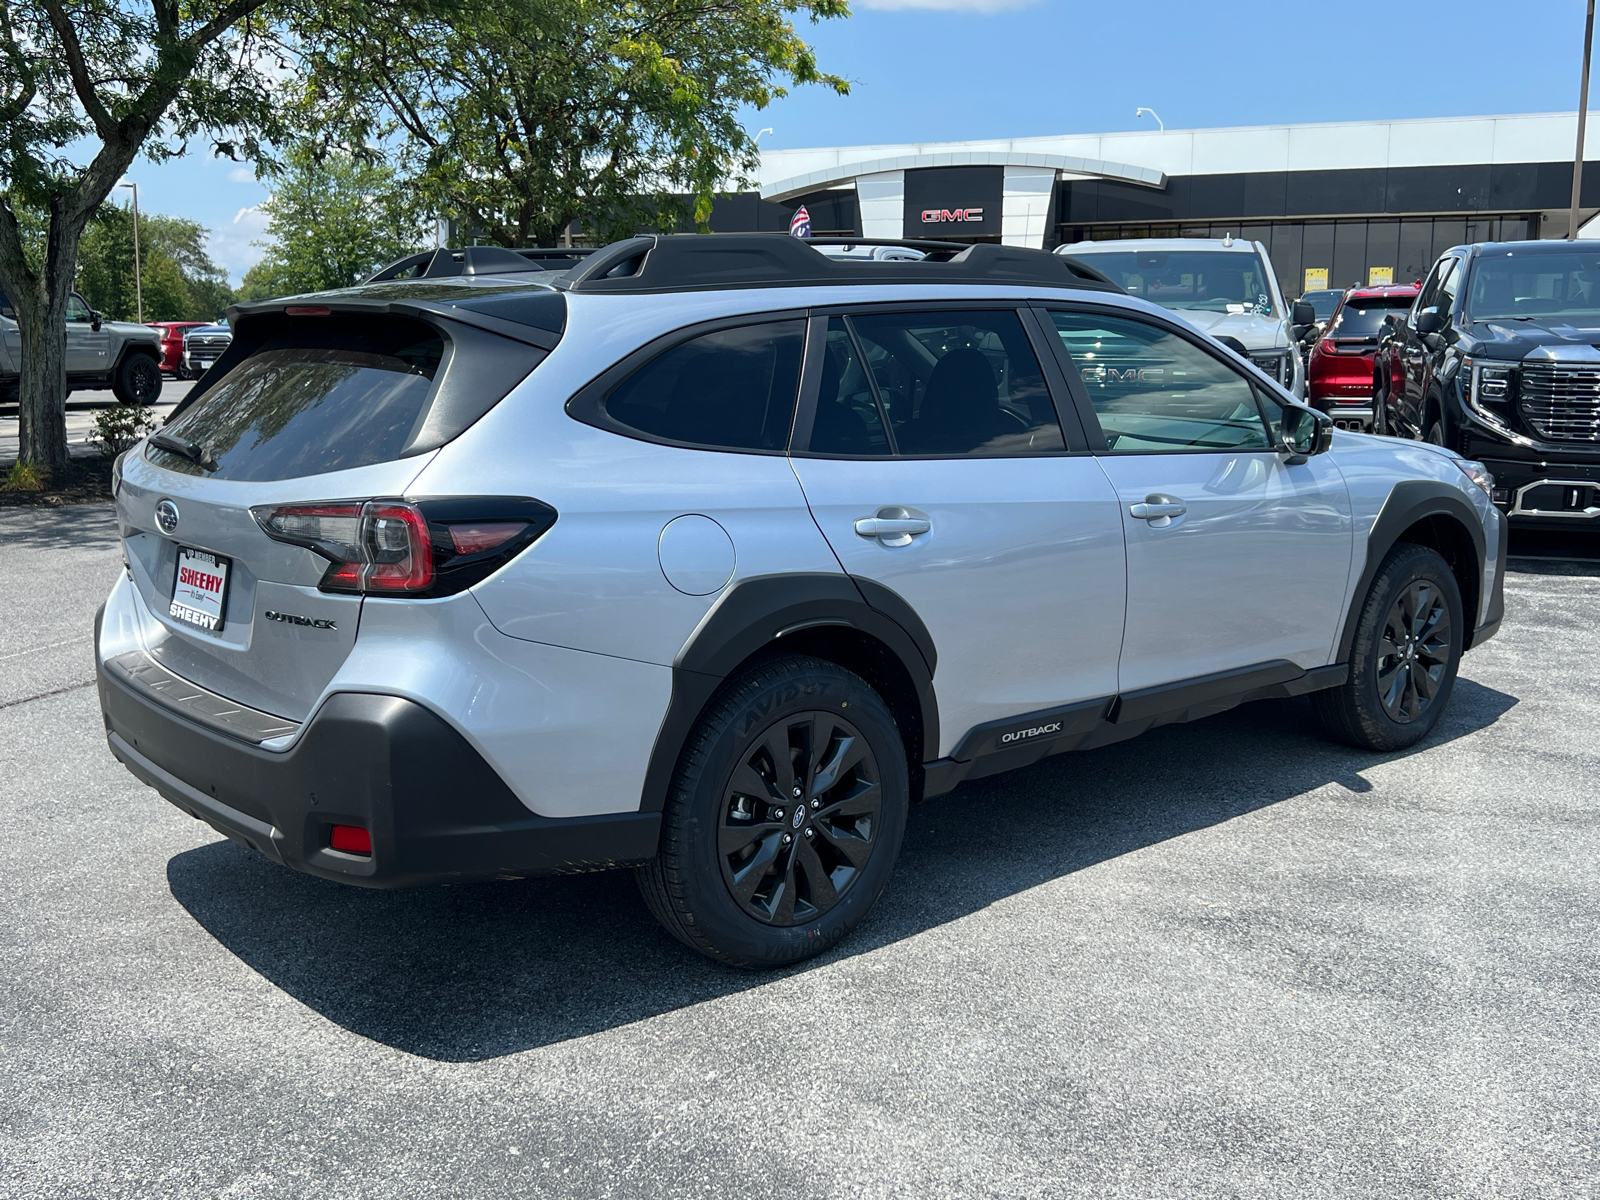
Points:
(477, 971)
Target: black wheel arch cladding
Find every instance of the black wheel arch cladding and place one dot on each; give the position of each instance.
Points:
(1431, 512)
(856, 623)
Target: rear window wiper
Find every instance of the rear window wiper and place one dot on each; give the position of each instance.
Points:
(193, 451)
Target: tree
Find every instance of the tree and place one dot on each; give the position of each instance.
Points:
(118, 77)
(519, 116)
(180, 281)
(333, 219)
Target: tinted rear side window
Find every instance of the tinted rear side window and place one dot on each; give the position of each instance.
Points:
(336, 397)
(734, 389)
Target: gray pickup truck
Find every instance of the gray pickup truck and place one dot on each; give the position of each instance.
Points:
(116, 354)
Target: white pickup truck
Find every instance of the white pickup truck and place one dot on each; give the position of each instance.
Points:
(1222, 286)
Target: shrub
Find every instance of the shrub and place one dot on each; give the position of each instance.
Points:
(117, 428)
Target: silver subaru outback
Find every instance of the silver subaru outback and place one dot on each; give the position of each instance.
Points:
(710, 555)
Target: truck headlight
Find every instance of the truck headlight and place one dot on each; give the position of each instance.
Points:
(1275, 365)
(1491, 382)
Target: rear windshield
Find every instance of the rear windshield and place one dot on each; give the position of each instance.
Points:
(347, 394)
(1363, 317)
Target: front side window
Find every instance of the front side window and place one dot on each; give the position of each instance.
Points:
(734, 389)
(1449, 282)
(1222, 281)
(1154, 391)
(77, 308)
(934, 383)
(1429, 296)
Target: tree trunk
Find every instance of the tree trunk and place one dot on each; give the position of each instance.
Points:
(42, 385)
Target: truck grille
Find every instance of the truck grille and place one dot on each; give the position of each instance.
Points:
(1561, 402)
(214, 342)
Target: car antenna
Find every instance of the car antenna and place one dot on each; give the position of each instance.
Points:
(1227, 238)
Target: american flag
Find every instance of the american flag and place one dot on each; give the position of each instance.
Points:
(800, 223)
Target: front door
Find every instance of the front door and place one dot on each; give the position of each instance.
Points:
(1235, 560)
(1421, 358)
(936, 466)
(87, 347)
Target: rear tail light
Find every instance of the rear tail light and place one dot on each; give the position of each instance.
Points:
(406, 548)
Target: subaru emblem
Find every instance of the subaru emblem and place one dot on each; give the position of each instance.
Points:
(167, 516)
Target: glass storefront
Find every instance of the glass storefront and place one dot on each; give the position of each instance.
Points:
(1311, 255)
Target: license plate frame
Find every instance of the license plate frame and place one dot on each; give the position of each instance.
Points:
(197, 614)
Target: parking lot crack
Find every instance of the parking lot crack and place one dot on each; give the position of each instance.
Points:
(46, 695)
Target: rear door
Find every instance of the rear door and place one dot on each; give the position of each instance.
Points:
(1235, 559)
(934, 462)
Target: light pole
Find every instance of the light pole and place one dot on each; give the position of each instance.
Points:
(1583, 113)
(138, 282)
(1141, 112)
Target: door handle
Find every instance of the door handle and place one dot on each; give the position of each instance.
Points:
(889, 526)
(893, 525)
(1158, 508)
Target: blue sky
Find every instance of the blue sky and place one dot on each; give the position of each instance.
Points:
(940, 70)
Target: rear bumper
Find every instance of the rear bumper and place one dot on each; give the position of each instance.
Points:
(435, 809)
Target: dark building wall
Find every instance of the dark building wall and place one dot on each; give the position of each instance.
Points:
(1506, 187)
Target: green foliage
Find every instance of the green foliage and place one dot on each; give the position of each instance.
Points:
(117, 428)
(180, 281)
(333, 219)
(518, 116)
(85, 89)
(25, 477)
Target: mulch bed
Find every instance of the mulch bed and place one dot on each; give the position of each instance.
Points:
(86, 481)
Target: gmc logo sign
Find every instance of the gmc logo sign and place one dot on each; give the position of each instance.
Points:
(938, 216)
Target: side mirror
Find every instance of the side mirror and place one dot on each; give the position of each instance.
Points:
(1429, 321)
(94, 320)
(1303, 314)
(1304, 432)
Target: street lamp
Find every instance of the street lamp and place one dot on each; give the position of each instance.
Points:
(1583, 111)
(1141, 112)
(138, 283)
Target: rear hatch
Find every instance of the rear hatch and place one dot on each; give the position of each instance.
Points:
(319, 407)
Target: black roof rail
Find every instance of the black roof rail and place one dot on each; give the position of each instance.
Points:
(700, 262)
(445, 263)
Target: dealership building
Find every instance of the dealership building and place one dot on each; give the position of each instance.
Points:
(1334, 204)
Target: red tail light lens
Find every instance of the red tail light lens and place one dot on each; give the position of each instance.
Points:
(475, 539)
(380, 546)
(352, 839)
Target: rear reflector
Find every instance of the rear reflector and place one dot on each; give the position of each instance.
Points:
(352, 839)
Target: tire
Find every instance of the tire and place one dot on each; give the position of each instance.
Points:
(1394, 698)
(138, 380)
(1435, 434)
(797, 898)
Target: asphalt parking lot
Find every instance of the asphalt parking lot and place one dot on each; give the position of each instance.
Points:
(1228, 960)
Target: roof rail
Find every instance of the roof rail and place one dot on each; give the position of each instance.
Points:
(700, 262)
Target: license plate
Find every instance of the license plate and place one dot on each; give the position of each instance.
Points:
(199, 589)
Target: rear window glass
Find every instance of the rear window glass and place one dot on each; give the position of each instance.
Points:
(328, 399)
(733, 389)
(1363, 317)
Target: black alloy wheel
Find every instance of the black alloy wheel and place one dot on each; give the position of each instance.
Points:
(1414, 652)
(799, 818)
(138, 380)
(1403, 657)
(784, 817)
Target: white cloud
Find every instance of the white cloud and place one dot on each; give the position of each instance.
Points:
(982, 7)
(242, 175)
(230, 247)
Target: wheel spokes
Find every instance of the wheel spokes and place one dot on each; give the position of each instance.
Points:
(842, 753)
(852, 847)
(862, 800)
(747, 878)
(819, 884)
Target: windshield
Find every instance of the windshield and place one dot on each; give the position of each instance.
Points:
(1362, 316)
(1323, 303)
(1511, 286)
(1225, 281)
